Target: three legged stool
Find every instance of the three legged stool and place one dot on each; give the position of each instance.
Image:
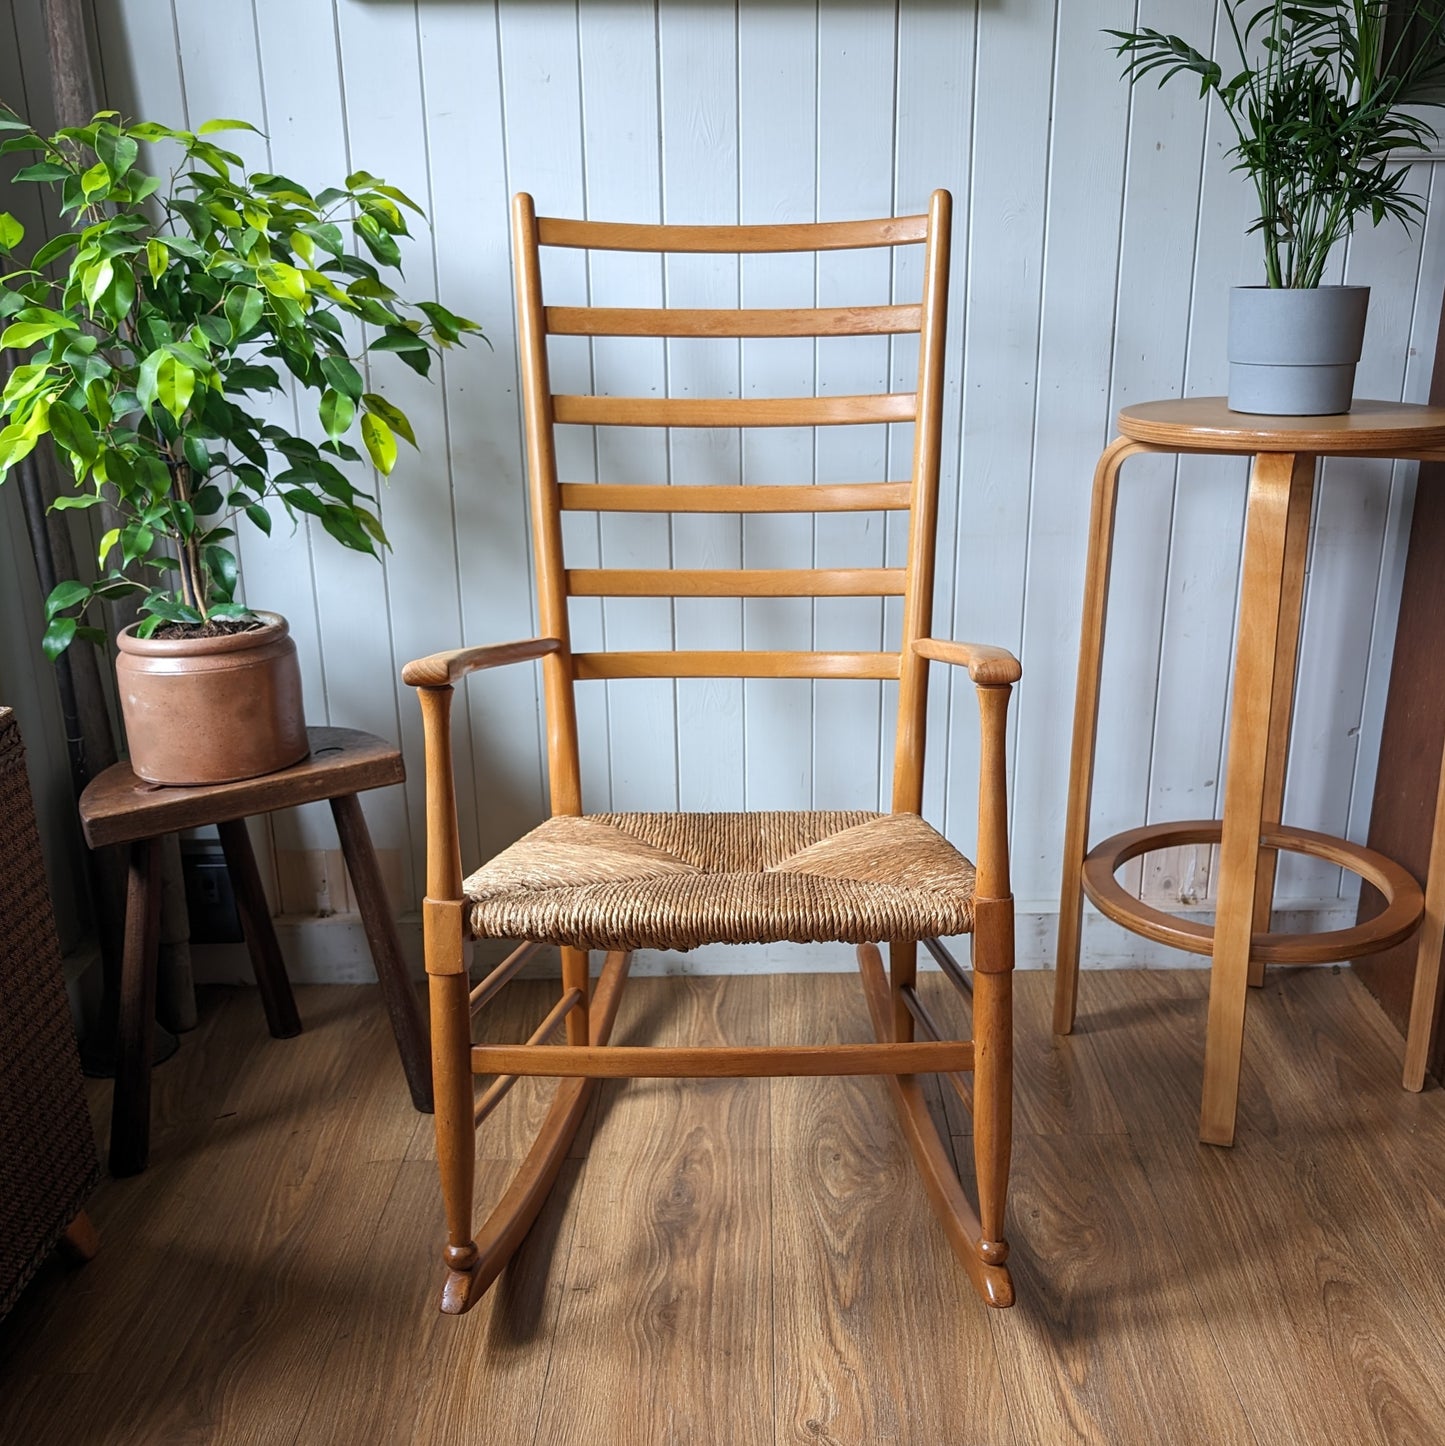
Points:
(1276, 533)
(119, 808)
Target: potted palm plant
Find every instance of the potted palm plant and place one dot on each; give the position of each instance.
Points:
(1314, 91)
(146, 332)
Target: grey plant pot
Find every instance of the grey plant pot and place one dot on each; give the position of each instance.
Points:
(1292, 352)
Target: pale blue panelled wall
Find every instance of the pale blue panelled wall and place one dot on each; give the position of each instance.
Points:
(1095, 236)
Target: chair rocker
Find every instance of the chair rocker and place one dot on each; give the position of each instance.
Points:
(619, 882)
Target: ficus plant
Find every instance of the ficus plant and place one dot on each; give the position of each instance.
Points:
(1313, 91)
(147, 330)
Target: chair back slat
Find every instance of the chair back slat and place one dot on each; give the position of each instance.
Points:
(749, 663)
(735, 582)
(733, 411)
(772, 321)
(732, 240)
(820, 497)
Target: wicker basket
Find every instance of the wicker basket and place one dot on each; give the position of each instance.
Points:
(47, 1146)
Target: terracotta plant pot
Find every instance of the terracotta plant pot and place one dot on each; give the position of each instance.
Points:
(212, 710)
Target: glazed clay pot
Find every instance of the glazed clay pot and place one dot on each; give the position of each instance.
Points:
(212, 710)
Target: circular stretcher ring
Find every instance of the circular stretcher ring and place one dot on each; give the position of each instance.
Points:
(1404, 901)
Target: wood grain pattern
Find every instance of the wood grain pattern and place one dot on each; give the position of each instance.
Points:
(823, 236)
(741, 1262)
(740, 321)
(590, 411)
(118, 807)
(733, 582)
(1369, 428)
(755, 498)
(754, 664)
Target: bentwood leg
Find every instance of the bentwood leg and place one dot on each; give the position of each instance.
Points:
(391, 970)
(1272, 481)
(130, 1115)
(275, 989)
(1086, 723)
(1296, 549)
(1424, 1001)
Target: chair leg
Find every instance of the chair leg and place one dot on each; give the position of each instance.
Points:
(992, 1105)
(902, 974)
(81, 1240)
(960, 1222)
(451, 1031)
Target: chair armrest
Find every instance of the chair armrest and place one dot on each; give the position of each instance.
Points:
(987, 666)
(439, 670)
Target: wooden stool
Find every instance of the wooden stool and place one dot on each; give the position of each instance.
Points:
(119, 808)
(1281, 487)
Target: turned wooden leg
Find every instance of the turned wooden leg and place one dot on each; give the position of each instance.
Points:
(1291, 604)
(1086, 724)
(1271, 484)
(902, 974)
(81, 1240)
(391, 970)
(992, 1105)
(130, 1115)
(451, 1033)
(276, 998)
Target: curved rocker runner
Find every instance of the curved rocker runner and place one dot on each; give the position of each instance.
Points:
(620, 882)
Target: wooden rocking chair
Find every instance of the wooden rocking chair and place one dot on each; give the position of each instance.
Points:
(619, 882)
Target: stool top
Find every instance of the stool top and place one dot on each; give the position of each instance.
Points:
(118, 807)
(1372, 429)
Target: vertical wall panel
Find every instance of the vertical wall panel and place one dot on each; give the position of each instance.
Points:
(1096, 233)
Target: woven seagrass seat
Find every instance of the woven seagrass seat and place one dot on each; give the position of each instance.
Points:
(680, 880)
(620, 882)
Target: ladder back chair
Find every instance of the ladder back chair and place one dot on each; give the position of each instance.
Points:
(618, 882)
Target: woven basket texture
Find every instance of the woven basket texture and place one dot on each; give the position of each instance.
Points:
(679, 880)
(47, 1147)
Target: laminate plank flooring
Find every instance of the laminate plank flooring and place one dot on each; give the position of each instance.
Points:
(753, 1261)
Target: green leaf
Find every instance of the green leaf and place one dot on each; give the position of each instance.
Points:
(56, 246)
(96, 180)
(21, 334)
(108, 540)
(393, 416)
(59, 635)
(43, 171)
(244, 305)
(157, 258)
(72, 431)
(222, 567)
(260, 517)
(282, 280)
(116, 150)
(211, 127)
(380, 443)
(12, 233)
(175, 384)
(95, 282)
(146, 383)
(342, 375)
(65, 595)
(337, 412)
(16, 443)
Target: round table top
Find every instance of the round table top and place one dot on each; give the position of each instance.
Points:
(1206, 423)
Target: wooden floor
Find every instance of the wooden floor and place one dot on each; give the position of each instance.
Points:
(748, 1261)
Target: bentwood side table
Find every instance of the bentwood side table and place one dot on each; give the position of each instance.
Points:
(1281, 488)
(119, 808)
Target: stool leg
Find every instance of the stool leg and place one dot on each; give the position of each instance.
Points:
(1272, 481)
(81, 1240)
(276, 998)
(130, 1120)
(1424, 1001)
(391, 970)
(1086, 723)
(1296, 550)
